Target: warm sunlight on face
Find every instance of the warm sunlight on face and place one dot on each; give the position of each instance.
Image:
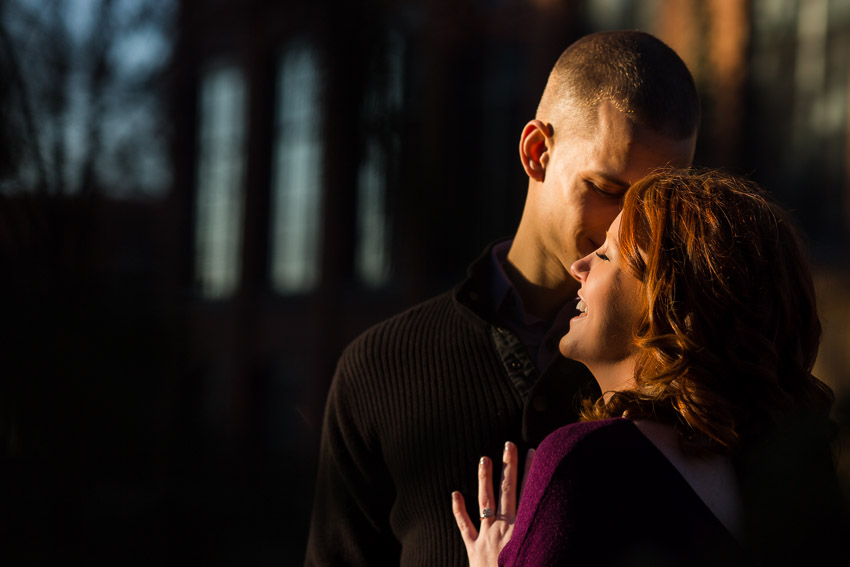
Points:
(588, 175)
(601, 336)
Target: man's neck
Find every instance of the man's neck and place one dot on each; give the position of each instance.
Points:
(543, 291)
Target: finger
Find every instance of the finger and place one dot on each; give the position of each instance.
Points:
(464, 523)
(508, 482)
(486, 503)
(529, 457)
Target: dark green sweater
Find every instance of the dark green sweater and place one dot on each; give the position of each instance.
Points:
(415, 402)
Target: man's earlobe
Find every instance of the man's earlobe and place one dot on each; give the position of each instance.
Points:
(536, 170)
(534, 149)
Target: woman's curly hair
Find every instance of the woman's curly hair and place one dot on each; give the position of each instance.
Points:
(730, 331)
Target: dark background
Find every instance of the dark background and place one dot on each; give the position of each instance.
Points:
(155, 409)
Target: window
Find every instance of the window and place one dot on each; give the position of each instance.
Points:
(296, 176)
(800, 71)
(383, 102)
(220, 171)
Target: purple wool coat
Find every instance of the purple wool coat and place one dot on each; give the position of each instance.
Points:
(600, 493)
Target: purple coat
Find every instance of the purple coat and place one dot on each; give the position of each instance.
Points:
(600, 493)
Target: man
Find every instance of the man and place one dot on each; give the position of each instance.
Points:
(418, 398)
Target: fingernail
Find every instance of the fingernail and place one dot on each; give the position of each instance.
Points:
(508, 446)
(482, 462)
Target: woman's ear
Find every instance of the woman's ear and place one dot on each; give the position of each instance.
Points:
(534, 149)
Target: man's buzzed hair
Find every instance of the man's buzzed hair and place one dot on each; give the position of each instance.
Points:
(638, 73)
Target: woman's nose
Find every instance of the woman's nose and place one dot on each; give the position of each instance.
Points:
(580, 267)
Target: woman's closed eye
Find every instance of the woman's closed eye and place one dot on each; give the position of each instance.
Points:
(602, 256)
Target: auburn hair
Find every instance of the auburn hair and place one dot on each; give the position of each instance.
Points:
(730, 331)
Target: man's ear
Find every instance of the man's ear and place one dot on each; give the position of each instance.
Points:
(534, 149)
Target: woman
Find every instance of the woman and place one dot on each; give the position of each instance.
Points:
(697, 318)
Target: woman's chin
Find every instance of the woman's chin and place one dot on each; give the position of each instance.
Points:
(568, 349)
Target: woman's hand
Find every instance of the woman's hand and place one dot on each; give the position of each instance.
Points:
(497, 523)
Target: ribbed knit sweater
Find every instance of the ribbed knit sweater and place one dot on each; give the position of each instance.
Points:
(414, 403)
